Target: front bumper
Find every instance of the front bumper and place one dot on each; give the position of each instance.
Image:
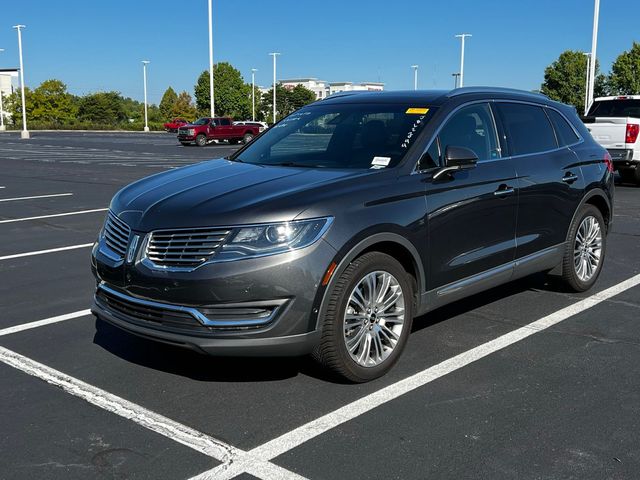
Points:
(186, 138)
(263, 306)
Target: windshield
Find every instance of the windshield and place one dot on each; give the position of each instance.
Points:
(201, 121)
(615, 108)
(340, 136)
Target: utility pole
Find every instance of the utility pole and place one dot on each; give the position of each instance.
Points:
(274, 54)
(212, 101)
(455, 79)
(586, 93)
(462, 36)
(25, 133)
(253, 93)
(592, 63)
(415, 76)
(144, 79)
(2, 127)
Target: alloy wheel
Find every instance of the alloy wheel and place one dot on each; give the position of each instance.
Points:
(587, 250)
(374, 318)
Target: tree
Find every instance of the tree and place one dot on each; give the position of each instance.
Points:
(565, 79)
(13, 106)
(232, 96)
(625, 72)
(287, 101)
(167, 103)
(183, 107)
(51, 102)
(105, 108)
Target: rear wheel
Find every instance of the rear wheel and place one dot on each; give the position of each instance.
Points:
(201, 140)
(585, 250)
(368, 318)
(631, 176)
(247, 138)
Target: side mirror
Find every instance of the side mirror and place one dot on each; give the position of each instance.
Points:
(457, 158)
(462, 157)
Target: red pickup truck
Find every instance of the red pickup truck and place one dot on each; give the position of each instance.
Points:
(175, 124)
(205, 130)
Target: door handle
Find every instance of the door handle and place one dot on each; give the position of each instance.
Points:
(504, 189)
(569, 178)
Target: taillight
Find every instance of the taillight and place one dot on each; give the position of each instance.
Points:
(608, 161)
(632, 133)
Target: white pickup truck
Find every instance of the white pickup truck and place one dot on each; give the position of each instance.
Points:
(614, 122)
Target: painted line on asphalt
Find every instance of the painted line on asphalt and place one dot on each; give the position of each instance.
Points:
(34, 197)
(192, 438)
(308, 431)
(42, 252)
(11, 220)
(46, 321)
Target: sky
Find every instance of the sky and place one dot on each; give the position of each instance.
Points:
(96, 45)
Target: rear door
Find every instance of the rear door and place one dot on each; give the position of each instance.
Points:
(224, 129)
(549, 178)
(472, 213)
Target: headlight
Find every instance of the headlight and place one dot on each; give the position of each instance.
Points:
(191, 132)
(272, 238)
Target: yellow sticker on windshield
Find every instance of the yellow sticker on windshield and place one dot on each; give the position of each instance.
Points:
(417, 111)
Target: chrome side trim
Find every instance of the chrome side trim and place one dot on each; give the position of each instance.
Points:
(195, 313)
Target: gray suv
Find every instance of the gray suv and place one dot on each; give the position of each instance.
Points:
(336, 227)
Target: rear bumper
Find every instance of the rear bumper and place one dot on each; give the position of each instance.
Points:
(623, 158)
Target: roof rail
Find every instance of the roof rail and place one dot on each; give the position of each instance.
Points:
(468, 90)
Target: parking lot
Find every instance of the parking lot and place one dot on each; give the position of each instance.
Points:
(523, 381)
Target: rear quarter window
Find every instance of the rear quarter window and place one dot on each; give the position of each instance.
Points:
(527, 128)
(565, 133)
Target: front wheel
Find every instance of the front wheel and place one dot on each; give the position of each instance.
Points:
(247, 138)
(368, 318)
(585, 249)
(201, 140)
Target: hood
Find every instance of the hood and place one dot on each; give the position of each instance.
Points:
(222, 193)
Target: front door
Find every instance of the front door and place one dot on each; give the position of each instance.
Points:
(472, 213)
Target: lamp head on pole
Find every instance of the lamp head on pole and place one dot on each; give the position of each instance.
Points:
(18, 27)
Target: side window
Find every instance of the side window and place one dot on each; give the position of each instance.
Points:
(527, 127)
(225, 121)
(471, 127)
(566, 135)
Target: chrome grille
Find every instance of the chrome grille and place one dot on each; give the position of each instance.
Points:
(184, 248)
(116, 234)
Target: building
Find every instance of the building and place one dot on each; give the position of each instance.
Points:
(323, 89)
(6, 87)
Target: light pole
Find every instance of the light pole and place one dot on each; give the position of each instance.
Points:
(253, 93)
(2, 127)
(592, 63)
(415, 76)
(455, 79)
(212, 101)
(462, 36)
(586, 93)
(274, 54)
(144, 76)
(25, 132)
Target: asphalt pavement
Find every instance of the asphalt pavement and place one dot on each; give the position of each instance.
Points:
(523, 381)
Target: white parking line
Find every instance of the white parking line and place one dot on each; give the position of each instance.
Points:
(155, 422)
(46, 321)
(42, 252)
(34, 197)
(308, 431)
(11, 220)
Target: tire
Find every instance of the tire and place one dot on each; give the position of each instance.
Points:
(201, 140)
(247, 138)
(343, 301)
(578, 270)
(234, 141)
(631, 176)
